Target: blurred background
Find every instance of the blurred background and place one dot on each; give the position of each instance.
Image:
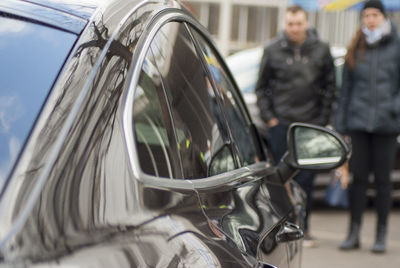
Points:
(243, 24)
(241, 27)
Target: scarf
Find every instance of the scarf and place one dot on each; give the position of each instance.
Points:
(373, 37)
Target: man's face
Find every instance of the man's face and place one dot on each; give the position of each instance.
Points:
(372, 18)
(296, 25)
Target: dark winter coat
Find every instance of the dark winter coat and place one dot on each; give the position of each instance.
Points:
(296, 84)
(369, 99)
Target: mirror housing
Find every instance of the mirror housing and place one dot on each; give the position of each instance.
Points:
(312, 147)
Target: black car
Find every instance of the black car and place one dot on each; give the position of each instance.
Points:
(125, 142)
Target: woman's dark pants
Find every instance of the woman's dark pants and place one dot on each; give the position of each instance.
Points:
(372, 153)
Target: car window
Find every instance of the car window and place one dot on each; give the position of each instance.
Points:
(201, 132)
(155, 138)
(239, 128)
(31, 57)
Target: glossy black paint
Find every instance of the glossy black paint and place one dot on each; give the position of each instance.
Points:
(79, 194)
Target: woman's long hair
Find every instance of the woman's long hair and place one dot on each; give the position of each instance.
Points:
(357, 44)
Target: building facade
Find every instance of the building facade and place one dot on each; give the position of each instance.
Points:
(241, 24)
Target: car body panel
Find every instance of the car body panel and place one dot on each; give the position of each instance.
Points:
(79, 195)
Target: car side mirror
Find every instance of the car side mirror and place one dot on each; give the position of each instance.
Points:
(312, 147)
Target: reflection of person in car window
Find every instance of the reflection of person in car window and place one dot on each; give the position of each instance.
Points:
(369, 112)
(296, 84)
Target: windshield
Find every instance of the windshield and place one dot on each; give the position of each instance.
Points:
(31, 56)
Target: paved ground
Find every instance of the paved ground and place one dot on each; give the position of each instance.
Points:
(330, 227)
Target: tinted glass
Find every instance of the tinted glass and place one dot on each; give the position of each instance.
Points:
(31, 56)
(200, 128)
(155, 138)
(237, 123)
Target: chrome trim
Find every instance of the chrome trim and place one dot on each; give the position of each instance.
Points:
(138, 59)
(226, 179)
(143, 44)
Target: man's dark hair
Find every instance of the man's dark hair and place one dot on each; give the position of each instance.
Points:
(295, 9)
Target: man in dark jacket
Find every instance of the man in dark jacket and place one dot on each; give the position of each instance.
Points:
(296, 84)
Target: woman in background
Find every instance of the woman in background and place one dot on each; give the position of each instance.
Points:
(369, 112)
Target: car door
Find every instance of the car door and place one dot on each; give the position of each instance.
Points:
(243, 202)
(241, 210)
(178, 129)
(257, 211)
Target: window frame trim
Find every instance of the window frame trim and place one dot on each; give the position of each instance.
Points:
(226, 179)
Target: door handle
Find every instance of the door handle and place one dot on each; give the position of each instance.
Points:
(289, 232)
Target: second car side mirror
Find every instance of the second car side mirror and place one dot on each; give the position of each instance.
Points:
(312, 147)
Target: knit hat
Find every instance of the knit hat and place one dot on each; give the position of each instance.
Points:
(374, 4)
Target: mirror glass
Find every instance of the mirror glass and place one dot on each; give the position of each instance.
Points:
(315, 147)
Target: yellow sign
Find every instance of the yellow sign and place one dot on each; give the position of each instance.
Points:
(337, 5)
